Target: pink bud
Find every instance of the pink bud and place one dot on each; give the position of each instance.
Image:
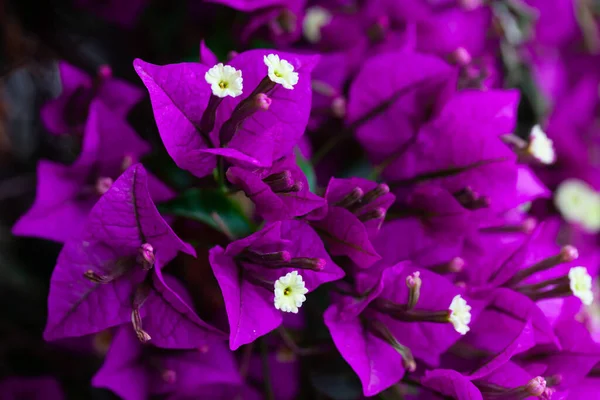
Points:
(470, 4)
(103, 184)
(456, 264)
(529, 225)
(143, 336)
(536, 386)
(262, 101)
(232, 54)
(320, 264)
(461, 57)
(297, 187)
(338, 107)
(286, 256)
(127, 162)
(169, 376)
(410, 364)
(569, 253)
(147, 255)
(413, 280)
(203, 349)
(104, 72)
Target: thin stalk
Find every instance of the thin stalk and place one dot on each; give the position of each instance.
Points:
(264, 356)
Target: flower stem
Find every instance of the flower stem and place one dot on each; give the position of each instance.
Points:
(221, 173)
(264, 356)
(245, 362)
(289, 342)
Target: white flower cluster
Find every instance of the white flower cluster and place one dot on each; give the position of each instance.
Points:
(225, 80)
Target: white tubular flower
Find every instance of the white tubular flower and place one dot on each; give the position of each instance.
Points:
(224, 80)
(290, 292)
(316, 17)
(281, 71)
(460, 314)
(540, 146)
(579, 203)
(580, 283)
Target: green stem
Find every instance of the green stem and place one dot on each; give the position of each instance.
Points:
(221, 173)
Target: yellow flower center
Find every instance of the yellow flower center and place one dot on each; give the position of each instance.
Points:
(287, 291)
(223, 85)
(278, 74)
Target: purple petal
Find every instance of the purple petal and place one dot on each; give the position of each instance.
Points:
(179, 96)
(250, 309)
(451, 383)
(122, 371)
(53, 112)
(346, 235)
(376, 363)
(56, 214)
(170, 321)
(386, 133)
(122, 220)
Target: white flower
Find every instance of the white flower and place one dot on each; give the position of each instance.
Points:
(281, 71)
(460, 314)
(315, 18)
(579, 203)
(290, 292)
(540, 146)
(225, 80)
(580, 283)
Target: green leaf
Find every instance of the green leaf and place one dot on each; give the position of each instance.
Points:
(211, 207)
(163, 166)
(308, 170)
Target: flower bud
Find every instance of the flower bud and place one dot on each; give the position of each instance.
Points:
(536, 386)
(262, 101)
(470, 4)
(377, 213)
(413, 282)
(338, 107)
(351, 198)
(104, 72)
(103, 184)
(460, 56)
(147, 258)
(169, 376)
(568, 253)
(314, 264)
